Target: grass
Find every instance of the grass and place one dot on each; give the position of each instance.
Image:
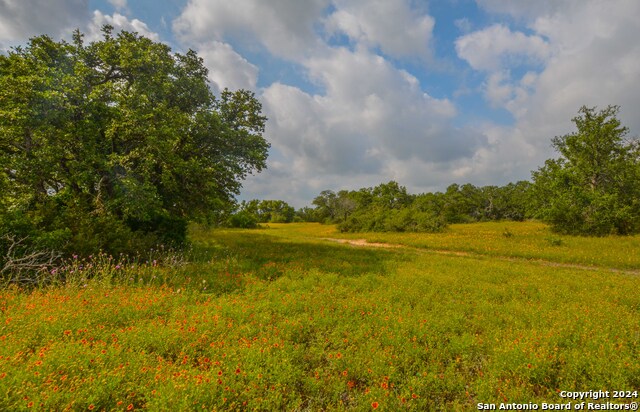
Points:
(279, 319)
(526, 240)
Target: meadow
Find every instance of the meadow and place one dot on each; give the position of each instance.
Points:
(287, 318)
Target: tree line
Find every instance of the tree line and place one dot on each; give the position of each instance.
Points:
(389, 207)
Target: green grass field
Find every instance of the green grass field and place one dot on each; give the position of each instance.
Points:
(281, 318)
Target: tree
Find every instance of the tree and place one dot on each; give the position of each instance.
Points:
(594, 187)
(109, 143)
(325, 203)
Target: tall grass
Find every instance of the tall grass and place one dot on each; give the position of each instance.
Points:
(526, 240)
(272, 320)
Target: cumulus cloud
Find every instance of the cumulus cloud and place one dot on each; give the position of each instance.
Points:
(284, 27)
(361, 122)
(119, 22)
(497, 46)
(228, 69)
(21, 19)
(394, 26)
(595, 62)
(362, 131)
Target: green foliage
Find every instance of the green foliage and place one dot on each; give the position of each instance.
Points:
(263, 211)
(594, 187)
(117, 143)
(384, 208)
(388, 207)
(243, 219)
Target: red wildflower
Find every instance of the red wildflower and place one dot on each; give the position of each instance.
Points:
(374, 405)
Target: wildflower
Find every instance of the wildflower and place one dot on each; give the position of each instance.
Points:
(91, 407)
(374, 405)
(130, 407)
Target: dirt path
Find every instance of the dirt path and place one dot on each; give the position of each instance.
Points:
(365, 243)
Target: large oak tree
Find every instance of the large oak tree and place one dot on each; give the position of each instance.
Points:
(593, 188)
(117, 140)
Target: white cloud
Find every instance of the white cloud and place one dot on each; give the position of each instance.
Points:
(368, 122)
(595, 62)
(394, 26)
(363, 128)
(284, 27)
(119, 4)
(119, 22)
(228, 69)
(501, 91)
(21, 19)
(497, 46)
(527, 9)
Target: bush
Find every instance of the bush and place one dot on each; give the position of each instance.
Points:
(393, 220)
(243, 220)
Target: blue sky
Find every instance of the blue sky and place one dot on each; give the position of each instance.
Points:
(360, 92)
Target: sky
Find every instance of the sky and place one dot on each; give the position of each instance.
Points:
(362, 92)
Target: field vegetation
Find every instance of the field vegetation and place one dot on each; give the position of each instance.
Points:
(280, 318)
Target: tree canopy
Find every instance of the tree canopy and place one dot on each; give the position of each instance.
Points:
(389, 207)
(118, 140)
(593, 188)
